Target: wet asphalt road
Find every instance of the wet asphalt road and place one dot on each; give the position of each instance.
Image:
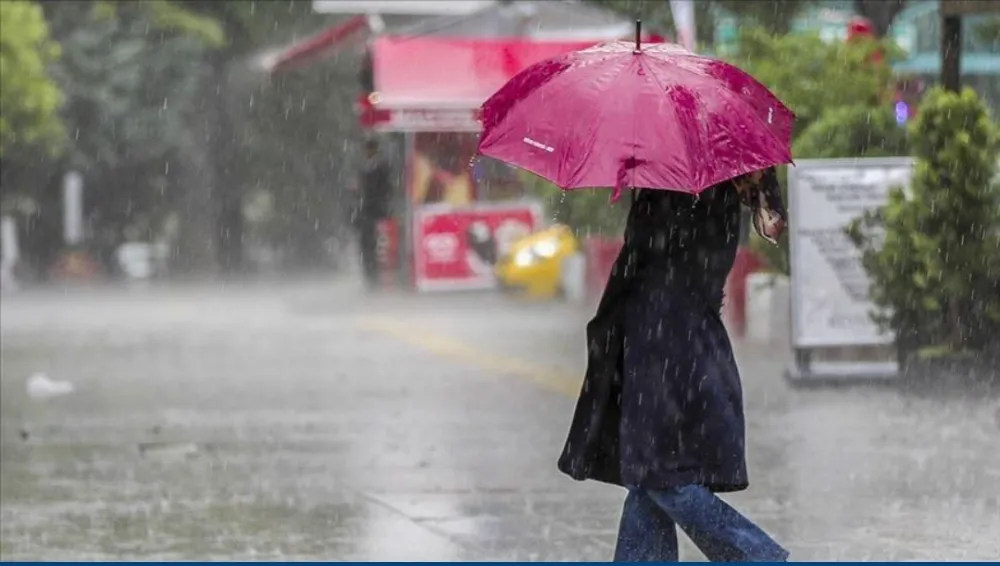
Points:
(307, 421)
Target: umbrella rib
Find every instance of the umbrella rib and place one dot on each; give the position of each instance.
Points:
(571, 85)
(663, 88)
(600, 120)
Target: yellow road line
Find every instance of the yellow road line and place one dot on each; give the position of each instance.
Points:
(452, 349)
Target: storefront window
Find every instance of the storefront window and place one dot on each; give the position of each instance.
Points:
(974, 40)
(928, 30)
(988, 86)
(440, 168)
(983, 35)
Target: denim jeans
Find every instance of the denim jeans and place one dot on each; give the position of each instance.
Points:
(650, 517)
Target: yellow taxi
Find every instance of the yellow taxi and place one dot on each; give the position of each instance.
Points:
(534, 265)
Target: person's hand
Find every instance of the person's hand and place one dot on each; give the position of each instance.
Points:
(772, 225)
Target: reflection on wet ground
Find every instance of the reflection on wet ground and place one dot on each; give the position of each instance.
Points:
(258, 422)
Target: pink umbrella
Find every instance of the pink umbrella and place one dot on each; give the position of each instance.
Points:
(629, 115)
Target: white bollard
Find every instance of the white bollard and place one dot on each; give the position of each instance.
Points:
(73, 208)
(10, 253)
(767, 308)
(781, 313)
(574, 277)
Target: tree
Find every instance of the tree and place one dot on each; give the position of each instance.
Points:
(931, 252)
(245, 28)
(126, 91)
(29, 98)
(233, 34)
(812, 76)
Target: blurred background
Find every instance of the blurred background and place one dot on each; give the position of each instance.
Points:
(224, 137)
(192, 367)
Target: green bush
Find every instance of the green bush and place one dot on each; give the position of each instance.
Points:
(933, 252)
(853, 131)
(812, 76)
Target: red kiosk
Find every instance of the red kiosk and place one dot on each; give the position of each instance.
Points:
(426, 80)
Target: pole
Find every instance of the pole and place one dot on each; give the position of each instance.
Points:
(10, 252)
(951, 52)
(638, 35)
(73, 208)
(407, 246)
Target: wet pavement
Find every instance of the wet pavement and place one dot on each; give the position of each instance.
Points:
(308, 421)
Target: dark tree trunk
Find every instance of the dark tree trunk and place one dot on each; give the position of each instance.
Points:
(881, 13)
(951, 52)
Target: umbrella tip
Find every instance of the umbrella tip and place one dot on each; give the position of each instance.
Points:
(638, 34)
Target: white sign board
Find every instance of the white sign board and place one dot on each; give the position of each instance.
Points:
(830, 302)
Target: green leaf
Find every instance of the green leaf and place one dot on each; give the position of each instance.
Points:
(172, 16)
(29, 98)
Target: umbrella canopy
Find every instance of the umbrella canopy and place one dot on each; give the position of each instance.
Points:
(620, 115)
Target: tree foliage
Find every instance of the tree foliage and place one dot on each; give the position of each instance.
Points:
(128, 90)
(29, 98)
(933, 254)
(126, 87)
(853, 131)
(234, 147)
(813, 76)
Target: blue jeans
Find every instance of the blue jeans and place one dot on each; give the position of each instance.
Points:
(650, 517)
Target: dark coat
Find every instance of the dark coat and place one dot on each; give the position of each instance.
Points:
(661, 403)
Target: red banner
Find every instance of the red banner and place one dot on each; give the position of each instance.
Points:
(453, 73)
(456, 248)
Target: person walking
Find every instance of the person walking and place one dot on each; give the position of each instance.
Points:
(375, 193)
(661, 408)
